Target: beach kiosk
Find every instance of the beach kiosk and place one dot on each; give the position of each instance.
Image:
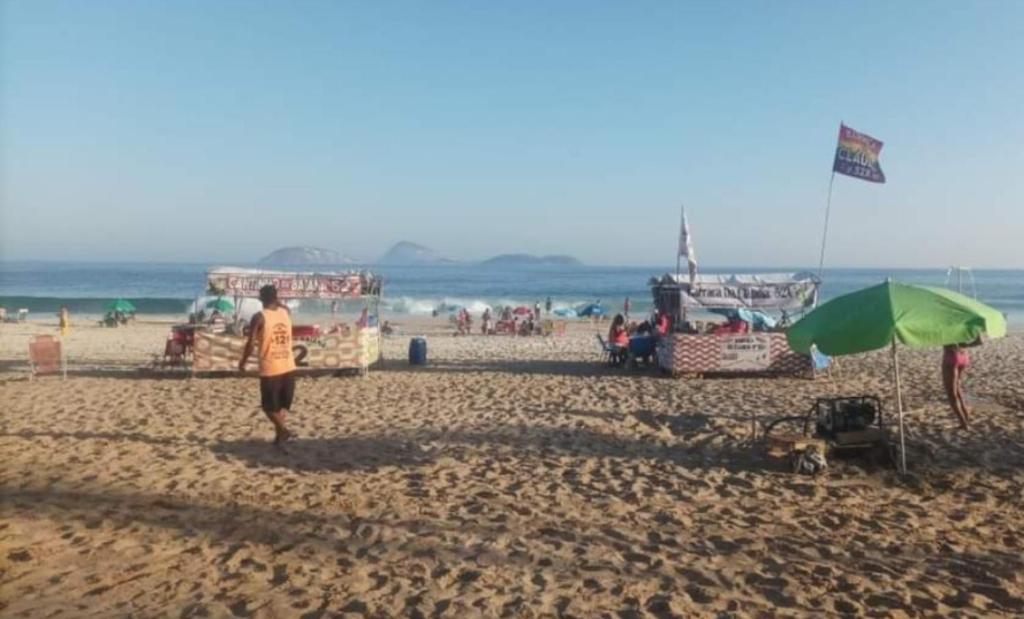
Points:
(686, 350)
(341, 347)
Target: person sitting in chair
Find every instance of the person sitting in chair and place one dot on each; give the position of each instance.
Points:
(618, 339)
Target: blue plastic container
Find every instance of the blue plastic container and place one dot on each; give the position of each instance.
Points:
(418, 351)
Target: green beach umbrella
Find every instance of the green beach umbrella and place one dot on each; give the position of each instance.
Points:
(880, 316)
(222, 305)
(121, 305)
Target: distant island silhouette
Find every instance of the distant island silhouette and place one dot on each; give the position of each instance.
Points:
(409, 253)
(296, 256)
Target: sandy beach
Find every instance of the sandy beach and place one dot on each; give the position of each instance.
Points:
(510, 477)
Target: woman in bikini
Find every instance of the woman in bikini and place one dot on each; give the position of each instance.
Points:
(955, 361)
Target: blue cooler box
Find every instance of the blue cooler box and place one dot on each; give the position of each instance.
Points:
(418, 351)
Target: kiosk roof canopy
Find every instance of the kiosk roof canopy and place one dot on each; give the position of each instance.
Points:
(241, 282)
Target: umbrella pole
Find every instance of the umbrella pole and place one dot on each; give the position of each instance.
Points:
(899, 407)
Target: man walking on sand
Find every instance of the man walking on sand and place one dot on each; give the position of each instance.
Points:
(272, 327)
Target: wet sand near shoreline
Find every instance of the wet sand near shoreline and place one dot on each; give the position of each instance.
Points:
(513, 477)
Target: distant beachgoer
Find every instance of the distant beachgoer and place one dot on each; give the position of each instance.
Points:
(626, 308)
(464, 322)
(273, 327)
(485, 320)
(386, 328)
(955, 361)
(334, 308)
(547, 305)
(536, 310)
(64, 318)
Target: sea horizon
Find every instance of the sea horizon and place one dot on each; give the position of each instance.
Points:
(173, 287)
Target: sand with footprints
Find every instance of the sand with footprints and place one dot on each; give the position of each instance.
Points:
(511, 477)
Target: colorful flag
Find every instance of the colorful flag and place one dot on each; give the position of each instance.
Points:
(857, 156)
(686, 249)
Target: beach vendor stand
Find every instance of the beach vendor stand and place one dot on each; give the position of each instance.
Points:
(342, 347)
(689, 351)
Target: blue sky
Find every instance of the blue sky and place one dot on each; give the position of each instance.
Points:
(218, 131)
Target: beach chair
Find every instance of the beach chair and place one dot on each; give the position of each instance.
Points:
(608, 351)
(46, 356)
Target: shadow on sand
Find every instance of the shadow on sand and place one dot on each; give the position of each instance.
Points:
(423, 447)
(512, 366)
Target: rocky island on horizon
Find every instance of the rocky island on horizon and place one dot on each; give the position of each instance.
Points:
(297, 256)
(409, 253)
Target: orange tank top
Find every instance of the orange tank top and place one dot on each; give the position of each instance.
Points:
(276, 343)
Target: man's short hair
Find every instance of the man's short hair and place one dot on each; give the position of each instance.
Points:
(268, 294)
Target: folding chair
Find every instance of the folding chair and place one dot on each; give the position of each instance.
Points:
(607, 350)
(46, 356)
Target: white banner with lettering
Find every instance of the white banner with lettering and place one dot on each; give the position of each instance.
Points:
(756, 292)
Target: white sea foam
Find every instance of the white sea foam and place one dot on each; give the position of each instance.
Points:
(422, 306)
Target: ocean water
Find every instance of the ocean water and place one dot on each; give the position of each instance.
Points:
(42, 287)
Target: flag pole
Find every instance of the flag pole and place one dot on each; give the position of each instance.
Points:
(824, 233)
(679, 254)
(682, 221)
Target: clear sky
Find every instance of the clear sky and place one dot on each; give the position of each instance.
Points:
(218, 131)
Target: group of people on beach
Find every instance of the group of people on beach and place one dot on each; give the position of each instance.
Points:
(519, 321)
(658, 325)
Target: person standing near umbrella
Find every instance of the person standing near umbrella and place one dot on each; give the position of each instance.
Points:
(955, 361)
(273, 328)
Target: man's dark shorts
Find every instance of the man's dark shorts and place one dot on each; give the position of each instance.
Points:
(276, 392)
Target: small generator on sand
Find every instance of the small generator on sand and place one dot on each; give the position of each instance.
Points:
(834, 426)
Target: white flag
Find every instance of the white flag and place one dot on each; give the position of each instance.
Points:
(686, 249)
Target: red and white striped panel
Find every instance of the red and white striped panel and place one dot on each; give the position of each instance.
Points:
(699, 354)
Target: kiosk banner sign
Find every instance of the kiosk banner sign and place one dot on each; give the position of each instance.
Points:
(289, 285)
(745, 352)
(759, 353)
(751, 292)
